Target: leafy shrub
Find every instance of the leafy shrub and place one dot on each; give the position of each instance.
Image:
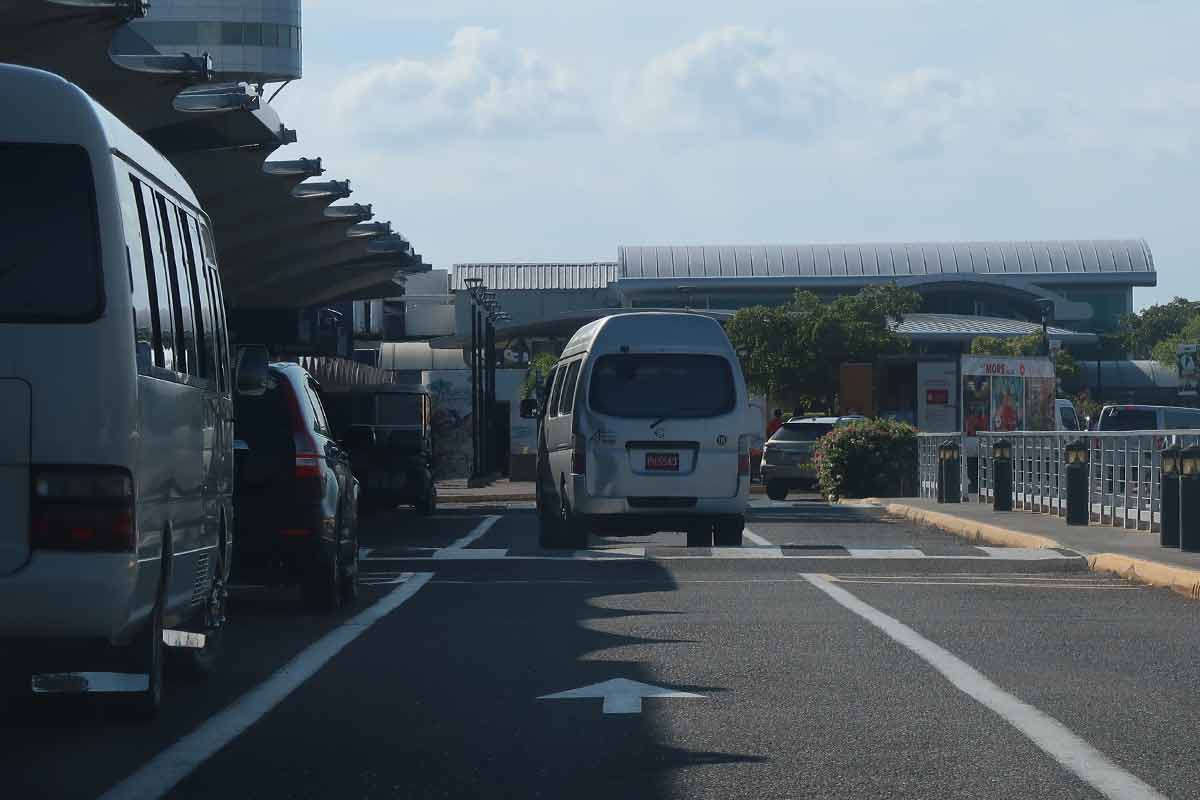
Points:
(873, 458)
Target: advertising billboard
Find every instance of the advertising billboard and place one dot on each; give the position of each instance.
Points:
(1000, 393)
(1185, 359)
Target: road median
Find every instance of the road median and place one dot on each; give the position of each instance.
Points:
(1184, 580)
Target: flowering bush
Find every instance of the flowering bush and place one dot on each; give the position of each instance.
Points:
(873, 458)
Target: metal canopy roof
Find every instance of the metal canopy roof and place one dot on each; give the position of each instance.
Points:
(503, 276)
(955, 327)
(219, 137)
(1129, 259)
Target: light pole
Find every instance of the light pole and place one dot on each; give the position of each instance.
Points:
(484, 309)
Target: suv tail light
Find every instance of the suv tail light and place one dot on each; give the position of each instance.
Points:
(308, 455)
(578, 454)
(744, 455)
(82, 508)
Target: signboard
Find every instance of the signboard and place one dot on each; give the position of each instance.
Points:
(936, 411)
(1189, 378)
(1006, 394)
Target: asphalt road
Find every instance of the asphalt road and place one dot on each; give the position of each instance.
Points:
(841, 654)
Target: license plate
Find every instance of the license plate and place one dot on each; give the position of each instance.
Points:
(665, 462)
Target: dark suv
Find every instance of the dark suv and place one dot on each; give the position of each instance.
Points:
(295, 498)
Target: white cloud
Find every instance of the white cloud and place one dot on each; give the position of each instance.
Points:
(481, 86)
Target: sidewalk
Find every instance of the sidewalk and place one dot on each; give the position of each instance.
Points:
(1132, 554)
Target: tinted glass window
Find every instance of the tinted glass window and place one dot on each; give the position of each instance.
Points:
(201, 308)
(566, 397)
(552, 403)
(1128, 419)
(264, 422)
(1180, 419)
(49, 250)
(181, 291)
(141, 273)
(398, 409)
(161, 285)
(801, 431)
(647, 385)
(1069, 421)
(314, 397)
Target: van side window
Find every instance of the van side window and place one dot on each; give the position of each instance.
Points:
(156, 272)
(141, 273)
(566, 396)
(201, 305)
(181, 291)
(552, 403)
(1181, 419)
(223, 368)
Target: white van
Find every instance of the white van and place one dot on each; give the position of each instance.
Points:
(644, 430)
(1065, 418)
(1147, 418)
(116, 459)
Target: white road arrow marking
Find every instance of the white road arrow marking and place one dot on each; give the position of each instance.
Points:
(621, 696)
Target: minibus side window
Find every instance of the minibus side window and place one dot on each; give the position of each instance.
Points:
(156, 271)
(566, 397)
(552, 403)
(141, 276)
(223, 368)
(201, 303)
(185, 330)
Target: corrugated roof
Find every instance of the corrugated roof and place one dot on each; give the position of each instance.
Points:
(962, 327)
(1131, 374)
(501, 277)
(888, 259)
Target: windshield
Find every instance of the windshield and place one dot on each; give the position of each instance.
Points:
(649, 385)
(397, 409)
(1069, 421)
(1128, 419)
(49, 254)
(801, 432)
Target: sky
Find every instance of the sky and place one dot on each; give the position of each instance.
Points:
(529, 130)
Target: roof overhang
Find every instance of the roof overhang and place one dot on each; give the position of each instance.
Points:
(564, 325)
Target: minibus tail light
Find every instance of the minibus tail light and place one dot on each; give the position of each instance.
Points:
(83, 509)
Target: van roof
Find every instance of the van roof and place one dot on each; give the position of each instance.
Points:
(650, 332)
(47, 89)
(1141, 407)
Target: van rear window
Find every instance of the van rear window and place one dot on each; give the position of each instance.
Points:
(49, 247)
(801, 431)
(1128, 419)
(651, 385)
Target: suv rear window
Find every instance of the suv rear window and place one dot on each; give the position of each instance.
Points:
(651, 385)
(265, 423)
(801, 431)
(49, 248)
(1128, 419)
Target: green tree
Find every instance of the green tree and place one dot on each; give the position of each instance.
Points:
(798, 348)
(1166, 350)
(535, 375)
(1142, 332)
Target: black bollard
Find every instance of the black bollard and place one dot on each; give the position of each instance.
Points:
(1168, 532)
(1002, 476)
(1078, 501)
(1189, 500)
(949, 467)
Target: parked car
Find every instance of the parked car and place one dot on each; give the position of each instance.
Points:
(296, 499)
(788, 454)
(116, 460)
(1065, 418)
(1147, 418)
(391, 446)
(644, 431)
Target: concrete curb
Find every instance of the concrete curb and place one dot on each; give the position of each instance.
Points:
(1153, 573)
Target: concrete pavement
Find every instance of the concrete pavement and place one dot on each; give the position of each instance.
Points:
(867, 659)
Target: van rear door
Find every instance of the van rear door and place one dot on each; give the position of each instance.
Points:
(14, 474)
(666, 425)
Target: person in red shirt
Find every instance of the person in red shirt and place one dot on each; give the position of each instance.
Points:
(775, 423)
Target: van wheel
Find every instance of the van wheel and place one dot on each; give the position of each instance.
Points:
(728, 533)
(701, 536)
(572, 531)
(322, 588)
(199, 662)
(777, 490)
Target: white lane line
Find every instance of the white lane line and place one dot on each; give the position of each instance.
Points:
(159, 775)
(754, 537)
(1050, 735)
(1020, 553)
(871, 552)
(479, 530)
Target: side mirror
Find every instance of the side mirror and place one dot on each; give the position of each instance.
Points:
(252, 370)
(529, 408)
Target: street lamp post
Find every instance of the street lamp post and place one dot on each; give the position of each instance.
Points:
(485, 310)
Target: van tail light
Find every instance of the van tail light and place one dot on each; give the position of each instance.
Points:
(308, 456)
(578, 454)
(83, 508)
(743, 455)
